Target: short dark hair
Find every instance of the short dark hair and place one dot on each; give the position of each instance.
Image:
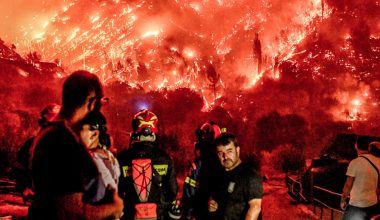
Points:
(362, 143)
(95, 119)
(226, 138)
(76, 89)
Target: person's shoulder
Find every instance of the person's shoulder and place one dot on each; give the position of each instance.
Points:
(359, 161)
(125, 155)
(55, 129)
(56, 133)
(249, 171)
(373, 159)
(160, 152)
(247, 167)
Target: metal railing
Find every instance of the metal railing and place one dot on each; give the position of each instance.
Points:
(323, 204)
(295, 187)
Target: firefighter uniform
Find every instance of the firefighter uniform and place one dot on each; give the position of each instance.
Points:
(148, 182)
(202, 173)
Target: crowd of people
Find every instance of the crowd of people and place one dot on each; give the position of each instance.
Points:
(68, 170)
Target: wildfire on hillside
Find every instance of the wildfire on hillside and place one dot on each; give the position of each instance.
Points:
(197, 44)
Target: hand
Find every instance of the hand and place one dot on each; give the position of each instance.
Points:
(343, 203)
(117, 202)
(212, 205)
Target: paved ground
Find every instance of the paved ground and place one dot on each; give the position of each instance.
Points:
(277, 204)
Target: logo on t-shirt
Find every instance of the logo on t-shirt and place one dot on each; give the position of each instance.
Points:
(231, 187)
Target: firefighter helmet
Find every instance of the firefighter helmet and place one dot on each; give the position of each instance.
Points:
(208, 132)
(145, 123)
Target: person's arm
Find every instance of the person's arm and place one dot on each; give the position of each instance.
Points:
(254, 195)
(171, 186)
(254, 209)
(346, 191)
(71, 207)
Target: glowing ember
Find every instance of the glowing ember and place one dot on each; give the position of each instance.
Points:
(356, 102)
(129, 41)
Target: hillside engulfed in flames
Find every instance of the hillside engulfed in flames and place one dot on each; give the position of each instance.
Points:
(193, 61)
(174, 43)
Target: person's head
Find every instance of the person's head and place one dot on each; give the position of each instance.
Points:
(206, 135)
(93, 132)
(48, 114)
(228, 151)
(81, 90)
(144, 126)
(374, 148)
(362, 143)
(208, 132)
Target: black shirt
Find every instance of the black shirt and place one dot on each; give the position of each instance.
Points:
(234, 190)
(23, 178)
(195, 197)
(60, 166)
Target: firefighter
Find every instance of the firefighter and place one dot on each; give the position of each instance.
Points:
(148, 181)
(201, 172)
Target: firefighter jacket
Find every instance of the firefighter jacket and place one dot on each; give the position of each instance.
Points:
(202, 173)
(147, 179)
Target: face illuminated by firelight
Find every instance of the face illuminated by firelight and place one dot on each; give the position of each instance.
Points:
(229, 155)
(89, 136)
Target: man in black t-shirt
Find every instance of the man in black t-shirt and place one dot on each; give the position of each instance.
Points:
(62, 169)
(237, 193)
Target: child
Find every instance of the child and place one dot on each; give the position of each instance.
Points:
(94, 137)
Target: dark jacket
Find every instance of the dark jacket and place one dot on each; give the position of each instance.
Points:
(163, 187)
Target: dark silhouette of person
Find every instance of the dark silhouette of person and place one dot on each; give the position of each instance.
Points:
(201, 173)
(22, 169)
(62, 168)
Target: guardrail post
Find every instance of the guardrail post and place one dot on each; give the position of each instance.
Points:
(321, 216)
(322, 205)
